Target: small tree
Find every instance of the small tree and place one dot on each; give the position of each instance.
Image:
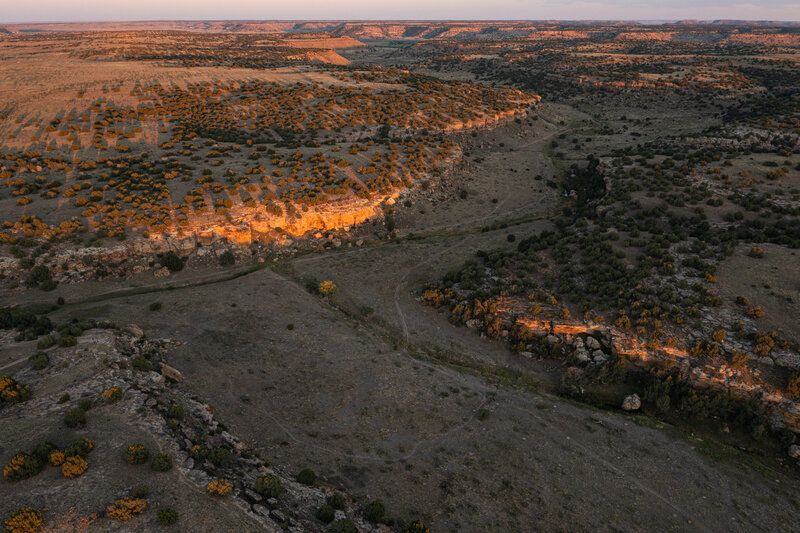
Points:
(336, 500)
(219, 455)
(171, 261)
(374, 511)
(306, 476)
(269, 486)
(326, 513)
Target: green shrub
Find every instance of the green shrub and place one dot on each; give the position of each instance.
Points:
(38, 274)
(74, 418)
(85, 404)
(306, 476)
(64, 398)
(269, 486)
(49, 285)
(136, 454)
(80, 448)
(141, 491)
(43, 451)
(161, 463)
(227, 258)
(140, 362)
(156, 306)
(67, 340)
(39, 360)
(344, 525)
(175, 411)
(167, 516)
(374, 511)
(171, 261)
(326, 513)
(336, 500)
(47, 342)
(219, 455)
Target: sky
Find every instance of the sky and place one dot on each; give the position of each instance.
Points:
(110, 10)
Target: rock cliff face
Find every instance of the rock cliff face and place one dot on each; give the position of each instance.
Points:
(329, 57)
(245, 225)
(592, 342)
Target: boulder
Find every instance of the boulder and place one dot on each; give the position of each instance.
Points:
(473, 323)
(161, 272)
(794, 451)
(277, 515)
(135, 330)
(260, 510)
(253, 495)
(592, 343)
(171, 373)
(632, 403)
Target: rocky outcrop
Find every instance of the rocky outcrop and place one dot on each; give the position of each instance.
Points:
(145, 406)
(632, 403)
(591, 343)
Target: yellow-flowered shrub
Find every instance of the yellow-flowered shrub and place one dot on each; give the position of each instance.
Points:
(114, 394)
(327, 288)
(219, 487)
(74, 466)
(57, 458)
(125, 508)
(12, 392)
(22, 466)
(24, 520)
(136, 454)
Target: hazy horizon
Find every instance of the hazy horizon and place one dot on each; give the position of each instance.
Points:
(404, 20)
(52, 11)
